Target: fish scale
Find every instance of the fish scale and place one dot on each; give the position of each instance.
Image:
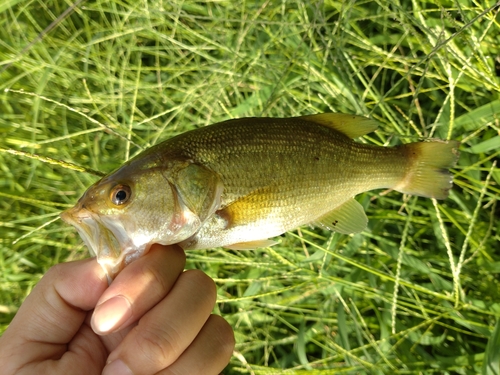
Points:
(277, 152)
(241, 182)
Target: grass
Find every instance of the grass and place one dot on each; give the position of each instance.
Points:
(417, 292)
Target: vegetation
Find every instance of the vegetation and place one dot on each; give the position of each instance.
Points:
(417, 292)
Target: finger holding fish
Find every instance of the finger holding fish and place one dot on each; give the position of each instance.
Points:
(138, 289)
(174, 328)
(165, 324)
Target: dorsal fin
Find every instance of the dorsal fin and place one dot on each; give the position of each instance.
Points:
(352, 126)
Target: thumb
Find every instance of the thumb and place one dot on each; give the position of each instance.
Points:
(57, 306)
(55, 310)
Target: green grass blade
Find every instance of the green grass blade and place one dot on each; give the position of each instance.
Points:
(491, 362)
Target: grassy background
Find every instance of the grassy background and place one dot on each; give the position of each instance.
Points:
(417, 292)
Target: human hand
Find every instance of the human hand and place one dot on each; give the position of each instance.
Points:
(153, 319)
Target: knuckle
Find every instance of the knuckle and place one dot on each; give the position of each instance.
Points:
(201, 282)
(154, 278)
(179, 252)
(223, 333)
(173, 253)
(55, 272)
(159, 345)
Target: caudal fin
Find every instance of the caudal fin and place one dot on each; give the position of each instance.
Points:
(429, 175)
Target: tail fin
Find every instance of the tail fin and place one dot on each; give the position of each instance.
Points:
(429, 175)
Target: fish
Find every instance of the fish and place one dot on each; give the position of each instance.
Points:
(240, 183)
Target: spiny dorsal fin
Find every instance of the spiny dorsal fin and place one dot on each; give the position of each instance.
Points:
(352, 126)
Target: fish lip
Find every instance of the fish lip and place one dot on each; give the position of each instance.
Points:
(102, 242)
(74, 214)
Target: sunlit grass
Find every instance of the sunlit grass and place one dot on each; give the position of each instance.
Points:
(417, 292)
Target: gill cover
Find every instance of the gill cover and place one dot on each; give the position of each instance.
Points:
(200, 189)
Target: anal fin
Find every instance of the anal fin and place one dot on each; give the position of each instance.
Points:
(250, 245)
(348, 218)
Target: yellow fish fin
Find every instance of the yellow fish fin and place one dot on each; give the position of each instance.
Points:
(250, 245)
(351, 126)
(428, 175)
(250, 207)
(199, 188)
(347, 218)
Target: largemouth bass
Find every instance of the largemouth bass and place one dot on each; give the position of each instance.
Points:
(239, 183)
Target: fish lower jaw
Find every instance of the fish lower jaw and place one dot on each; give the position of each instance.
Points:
(113, 265)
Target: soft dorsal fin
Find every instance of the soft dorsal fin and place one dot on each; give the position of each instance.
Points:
(347, 218)
(352, 126)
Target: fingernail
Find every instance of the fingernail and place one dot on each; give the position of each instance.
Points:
(117, 367)
(111, 314)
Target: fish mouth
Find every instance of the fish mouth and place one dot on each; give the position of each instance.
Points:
(106, 239)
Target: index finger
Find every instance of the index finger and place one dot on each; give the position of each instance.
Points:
(139, 287)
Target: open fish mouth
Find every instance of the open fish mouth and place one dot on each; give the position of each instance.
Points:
(105, 239)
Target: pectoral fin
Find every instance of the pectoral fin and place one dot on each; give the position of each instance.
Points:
(250, 245)
(199, 189)
(347, 218)
(251, 207)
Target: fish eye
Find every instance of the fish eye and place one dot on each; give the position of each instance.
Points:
(120, 194)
